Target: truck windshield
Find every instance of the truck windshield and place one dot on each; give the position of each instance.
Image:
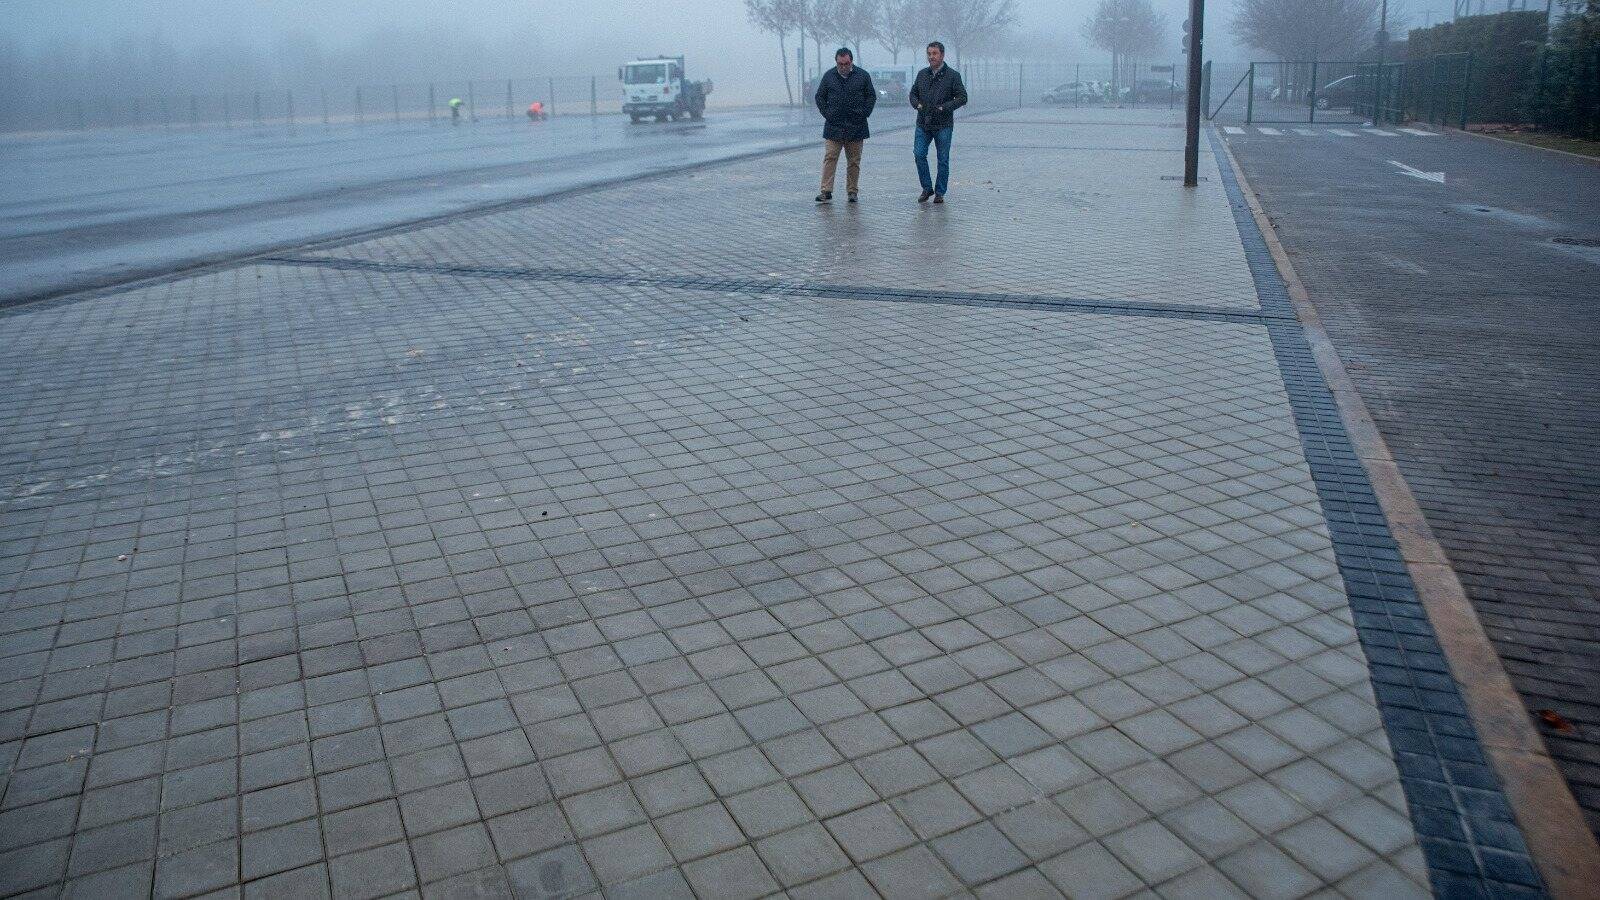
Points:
(647, 74)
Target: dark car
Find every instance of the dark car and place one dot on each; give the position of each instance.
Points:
(1345, 92)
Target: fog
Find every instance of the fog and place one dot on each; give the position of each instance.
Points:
(55, 51)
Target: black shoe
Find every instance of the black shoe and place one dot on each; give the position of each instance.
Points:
(925, 196)
(825, 197)
(938, 198)
(852, 196)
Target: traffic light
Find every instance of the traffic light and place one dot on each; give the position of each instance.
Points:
(1185, 35)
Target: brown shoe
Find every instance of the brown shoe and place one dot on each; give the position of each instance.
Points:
(938, 198)
(925, 196)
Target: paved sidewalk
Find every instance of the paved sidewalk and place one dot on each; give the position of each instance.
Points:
(681, 537)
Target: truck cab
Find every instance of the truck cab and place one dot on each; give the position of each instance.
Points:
(657, 87)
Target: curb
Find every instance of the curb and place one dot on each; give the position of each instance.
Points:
(1592, 160)
(1559, 841)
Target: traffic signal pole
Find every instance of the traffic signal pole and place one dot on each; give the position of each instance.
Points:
(1191, 100)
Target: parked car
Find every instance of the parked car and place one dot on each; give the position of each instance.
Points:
(1157, 90)
(1075, 92)
(1345, 92)
(893, 82)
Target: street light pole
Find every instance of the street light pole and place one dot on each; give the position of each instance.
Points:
(1191, 101)
(1377, 77)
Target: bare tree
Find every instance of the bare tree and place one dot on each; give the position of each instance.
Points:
(901, 24)
(1304, 30)
(854, 21)
(1124, 27)
(817, 22)
(777, 17)
(966, 24)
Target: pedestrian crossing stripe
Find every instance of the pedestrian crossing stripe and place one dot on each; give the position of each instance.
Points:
(1319, 132)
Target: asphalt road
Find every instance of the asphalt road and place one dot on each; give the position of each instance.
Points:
(1453, 274)
(84, 210)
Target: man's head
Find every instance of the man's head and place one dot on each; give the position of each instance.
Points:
(935, 54)
(844, 59)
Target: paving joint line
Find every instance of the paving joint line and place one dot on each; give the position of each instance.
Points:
(207, 265)
(795, 288)
(1475, 801)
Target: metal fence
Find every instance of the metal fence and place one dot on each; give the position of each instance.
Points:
(416, 101)
(1437, 89)
(1152, 83)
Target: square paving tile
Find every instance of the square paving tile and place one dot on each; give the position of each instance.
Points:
(586, 579)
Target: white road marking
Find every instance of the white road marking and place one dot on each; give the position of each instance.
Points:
(1380, 132)
(1272, 131)
(1341, 132)
(1230, 129)
(1306, 131)
(1419, 132)
(1435, 177)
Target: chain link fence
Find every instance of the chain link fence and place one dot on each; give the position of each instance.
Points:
(1146, 83)
(1438, 89)
(415, 101)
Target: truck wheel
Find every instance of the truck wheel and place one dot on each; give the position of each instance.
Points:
(636, 119)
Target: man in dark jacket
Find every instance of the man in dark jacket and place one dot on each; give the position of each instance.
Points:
(936, 95)
(845, 97)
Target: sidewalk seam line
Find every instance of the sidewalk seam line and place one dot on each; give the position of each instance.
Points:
(204, 266)
(1560, 844)
(1040, 302)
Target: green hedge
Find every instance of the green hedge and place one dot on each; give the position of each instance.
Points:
(1566, 89)
(1504, 48)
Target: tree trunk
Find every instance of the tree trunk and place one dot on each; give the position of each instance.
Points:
(783, 50)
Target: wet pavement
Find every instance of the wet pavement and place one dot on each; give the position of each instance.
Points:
(684, 537)
(100, 207)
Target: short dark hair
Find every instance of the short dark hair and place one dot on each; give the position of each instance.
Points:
(843, 51)
(932, 44)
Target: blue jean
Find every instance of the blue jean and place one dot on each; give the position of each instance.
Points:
(941, 139)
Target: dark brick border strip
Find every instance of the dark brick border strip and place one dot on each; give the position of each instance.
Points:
(801, 289)
(1468, 830)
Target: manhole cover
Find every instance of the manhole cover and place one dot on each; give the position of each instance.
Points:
(1579, 242)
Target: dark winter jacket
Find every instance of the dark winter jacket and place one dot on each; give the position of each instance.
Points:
(937, 97)
(845, 104)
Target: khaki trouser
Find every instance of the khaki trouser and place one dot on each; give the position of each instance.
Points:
(830, 164)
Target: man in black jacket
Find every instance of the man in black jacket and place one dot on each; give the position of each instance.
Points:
(845, 97)
(936, 95)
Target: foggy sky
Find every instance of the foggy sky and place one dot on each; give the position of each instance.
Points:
(498, 38)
